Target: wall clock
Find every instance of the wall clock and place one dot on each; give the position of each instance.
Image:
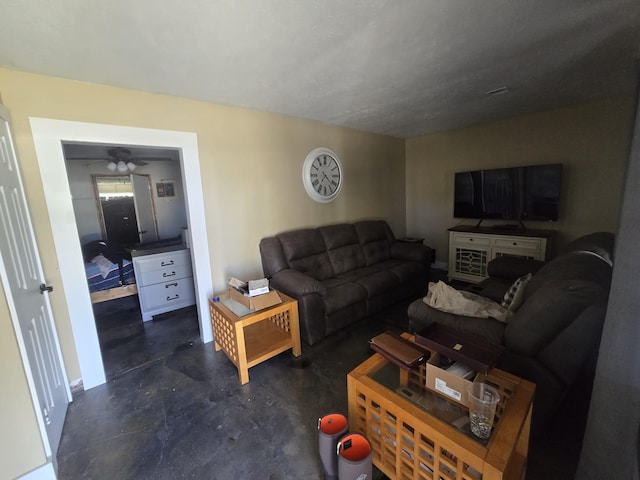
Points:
(322, 175)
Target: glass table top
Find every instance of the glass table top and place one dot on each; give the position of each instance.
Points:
(454, 414)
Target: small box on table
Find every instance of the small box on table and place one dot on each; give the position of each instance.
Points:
(258, 302)
(465, 349)
(449, 384)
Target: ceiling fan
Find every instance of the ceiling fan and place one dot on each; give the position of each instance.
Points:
(117, 159)
(122, 161)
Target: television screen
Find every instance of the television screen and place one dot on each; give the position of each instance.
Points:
(519, 193)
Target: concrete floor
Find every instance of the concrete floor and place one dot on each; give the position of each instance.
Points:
(173, 408)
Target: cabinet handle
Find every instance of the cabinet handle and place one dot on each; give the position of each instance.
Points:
(166, 264)
(175, 297)
(165, 274)
(515, 243)
(174, 284)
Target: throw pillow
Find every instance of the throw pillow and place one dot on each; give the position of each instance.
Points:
(515, 295)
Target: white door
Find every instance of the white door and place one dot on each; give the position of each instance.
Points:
(145, 213)
(27, 296)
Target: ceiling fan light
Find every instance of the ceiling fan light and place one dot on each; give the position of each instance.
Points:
(112, 166)
(132, 166)
(122, 167)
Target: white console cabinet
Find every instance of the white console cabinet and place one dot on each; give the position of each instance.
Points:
(472, 248)
(164, 278)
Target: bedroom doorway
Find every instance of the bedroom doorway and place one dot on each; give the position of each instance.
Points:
(48, 136)
(125, 214)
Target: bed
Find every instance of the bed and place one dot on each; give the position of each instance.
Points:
(109, 271)
(105, 283)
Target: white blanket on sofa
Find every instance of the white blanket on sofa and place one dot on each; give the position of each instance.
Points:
(447, 299)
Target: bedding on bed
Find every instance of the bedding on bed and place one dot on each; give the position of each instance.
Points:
(103, 276)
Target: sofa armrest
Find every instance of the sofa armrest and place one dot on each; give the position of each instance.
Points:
(309, 293)
(509, 267)
(414, 252)
(297, 284)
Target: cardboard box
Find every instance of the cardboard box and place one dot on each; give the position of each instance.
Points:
(256, 303)
(258, 287)
(464, 347)
(447, 384)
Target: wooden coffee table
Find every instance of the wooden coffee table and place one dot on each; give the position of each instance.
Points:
(251, 339)
(416, 433)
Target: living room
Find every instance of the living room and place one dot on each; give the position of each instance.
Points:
(250, 163)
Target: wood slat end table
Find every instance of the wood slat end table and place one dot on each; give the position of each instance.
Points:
(253, 338)
(416, 433)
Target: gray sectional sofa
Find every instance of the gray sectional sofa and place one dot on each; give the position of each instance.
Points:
(555, 333)
(342, 273)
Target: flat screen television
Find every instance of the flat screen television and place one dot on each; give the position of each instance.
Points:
(519, 193)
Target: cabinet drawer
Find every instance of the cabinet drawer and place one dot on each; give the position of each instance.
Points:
(470, 239)
(517, 243)
(164, 275)
(179, 292)
(160, 261)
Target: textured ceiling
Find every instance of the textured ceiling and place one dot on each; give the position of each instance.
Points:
(398, 67)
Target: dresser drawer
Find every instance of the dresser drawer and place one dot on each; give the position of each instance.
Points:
(515, 242)
(179, 293)
(164, 275)
(162, 261)
(462, 239)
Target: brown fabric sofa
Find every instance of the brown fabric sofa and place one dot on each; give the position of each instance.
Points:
(342, 273)
(555, 333)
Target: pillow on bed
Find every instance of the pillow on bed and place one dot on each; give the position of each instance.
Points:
(104, 264)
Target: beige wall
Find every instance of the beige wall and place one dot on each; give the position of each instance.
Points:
(590, 140)
(251, 166)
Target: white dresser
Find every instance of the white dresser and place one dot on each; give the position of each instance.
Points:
(164, 278)
(472, 248)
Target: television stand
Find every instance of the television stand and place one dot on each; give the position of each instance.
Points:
(472, 248)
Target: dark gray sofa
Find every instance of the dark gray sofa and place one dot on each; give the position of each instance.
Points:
(342, 273)
(555, 334)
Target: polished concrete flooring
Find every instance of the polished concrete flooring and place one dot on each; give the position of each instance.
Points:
(173, 408)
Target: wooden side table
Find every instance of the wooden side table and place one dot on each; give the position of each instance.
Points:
(415, 433)
(256, 337)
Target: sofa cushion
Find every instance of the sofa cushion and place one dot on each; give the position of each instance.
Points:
(507, 266)
(341, 294)
(549, 311)
(343, 247)
(599, 243)
(576, 265)
(422, 315)
(571, 349)
(272, 256)
(378, 283)
(305, 252)
(376, 238)
(406, 272)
